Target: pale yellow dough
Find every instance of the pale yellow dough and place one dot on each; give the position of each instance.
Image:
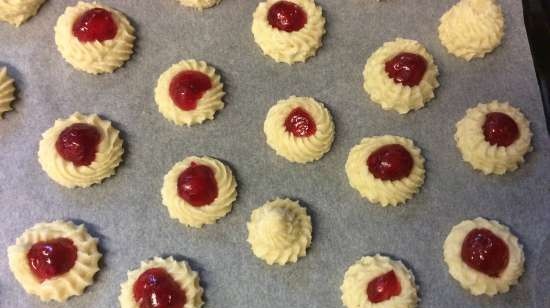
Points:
(62, 287)
(492, 159)
(180, 271)
(299, 149)
(470, 279)
(7, 90)
(207, 105)
(359, 275)
(279, 232)
(65, 173)
(289, 47)
(378, 191)
(94, 57)
(391, 95)
(472, 28)
(192, 216)
(199, 4)
(16, 12)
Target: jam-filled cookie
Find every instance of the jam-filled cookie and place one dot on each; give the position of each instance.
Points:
(199, 4)
(55, 260)
(16, 12)
(94, 38)
(80, 151)
(299, 129)
(7, 90)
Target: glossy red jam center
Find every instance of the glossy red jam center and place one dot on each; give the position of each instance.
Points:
(95, 25)
(482, 250)
(286, 16)
(300, 123)
(197, 185)
(52, 258)
(188, 87)
(407, 68)
(500, 129)
(78, 144)
(390, 162)
(383, 287)
(156, 288)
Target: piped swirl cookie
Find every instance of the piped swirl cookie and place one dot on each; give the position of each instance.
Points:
(279, 232)
(401, 75)
(472, 28)
(55, 260)
(484, 256)
(493, 137)
(199, 191)
(387, 170)
(378, 281)
(16, 12)
(80, 151)
(94, 38)
(162, 283)
(7, 90)
(288, 31)
(199, 4)
(189, 92)
(299, 129)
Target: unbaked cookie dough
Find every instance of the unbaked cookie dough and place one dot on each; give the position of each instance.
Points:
(7, 90)
(94, 38)
(162, 281)
(189, 92)
(401, 75)
(387, 170)
(493, 137)
(494, 255)
(16, 12)
(80, 151)
(199, 4)
(279, 232)
(199, 191)
(472, 28)
(55, 260)
(378, 281)
(299, 129)
(288, 31)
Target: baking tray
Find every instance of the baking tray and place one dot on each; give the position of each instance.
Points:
(126, 212)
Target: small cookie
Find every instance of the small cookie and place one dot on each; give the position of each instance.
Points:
(379, 281)
(7, 90)
(80, 151)
(16, 12)
(483, 256)
(472, 28)
(387, 170)
(189, 92)
(199, 191)
(94, 38)
(161, 283)
(299, 129)
(279, 232)
(199, 4)
(401, 76)
(55, 260)
(493, 137)
(288, 31)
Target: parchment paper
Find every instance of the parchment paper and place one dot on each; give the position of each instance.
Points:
(126, 212)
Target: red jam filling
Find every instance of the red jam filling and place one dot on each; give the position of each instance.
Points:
(95, 25)
(390, 162)
(407, 68)
(156, 288)
(188, 87)
(383, 287)
(286, 16)
(52, 258)
(197, 185)
(78, 144)
(300, 123)
(500, 129)
(483, 251)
